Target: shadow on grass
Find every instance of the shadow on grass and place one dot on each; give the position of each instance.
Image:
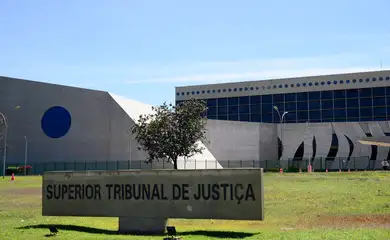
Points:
(71, 228)
(215, 234)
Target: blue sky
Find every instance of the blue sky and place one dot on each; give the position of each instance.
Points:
(143, 49)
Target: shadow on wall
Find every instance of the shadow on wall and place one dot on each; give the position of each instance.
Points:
(215, 234)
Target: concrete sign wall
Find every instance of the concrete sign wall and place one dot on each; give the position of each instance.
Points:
(235, 194)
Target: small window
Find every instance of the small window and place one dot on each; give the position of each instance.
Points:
(233, 101)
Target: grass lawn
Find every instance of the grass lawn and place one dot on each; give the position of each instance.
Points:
(314, 206)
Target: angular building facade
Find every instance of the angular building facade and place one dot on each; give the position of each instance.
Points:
(317, 117)
(55, 127)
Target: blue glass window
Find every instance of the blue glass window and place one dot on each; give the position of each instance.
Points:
(233, 117)
(365, 92)
(340, 113)
(302, 106)
(255, 117)
(353, 103)
(278, 98)
(365, 102)
(381, 111)
(211, 111)
(352, 93)
(327, 104)
(353, 113)
(291, 97)
(244, 117)
(315, 114)
(291, 117)
(314, 105)
(314, 96)
(327, 94)
(365, 113)
(339, 94)
(255, 109)
(233, 110)
(255, 99)
(222, 110)
(327, 114)
(267, 118)
(233, 101)
(244, 100)
(339, 103)
(266, 99)
(302, 116)
(212, 102)
(302, 96)
(379, 91)
(212, 116)
(266, 108)
(379, 101)
(244, 109)
(222, 102)
(222, 117)
(291, 106)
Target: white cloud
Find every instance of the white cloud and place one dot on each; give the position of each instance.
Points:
(248, 76)
(247, 70)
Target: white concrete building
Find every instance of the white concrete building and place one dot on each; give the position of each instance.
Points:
(323, 116)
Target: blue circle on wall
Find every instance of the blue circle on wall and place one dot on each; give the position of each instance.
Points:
(56, 122)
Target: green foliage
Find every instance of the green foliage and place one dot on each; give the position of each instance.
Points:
(172, 131)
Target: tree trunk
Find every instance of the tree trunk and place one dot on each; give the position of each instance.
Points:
(175, 164)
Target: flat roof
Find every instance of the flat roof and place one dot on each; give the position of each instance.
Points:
(286, 85)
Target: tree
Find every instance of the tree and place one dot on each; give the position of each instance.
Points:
(172, 131)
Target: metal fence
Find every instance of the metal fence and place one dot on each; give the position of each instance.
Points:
(292, 165)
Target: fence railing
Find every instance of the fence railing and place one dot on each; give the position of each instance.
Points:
(292, 165)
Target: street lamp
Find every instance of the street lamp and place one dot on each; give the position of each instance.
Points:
(25, 155)
(129, 133)
(5, 142)
(281, 117)
(5, 139)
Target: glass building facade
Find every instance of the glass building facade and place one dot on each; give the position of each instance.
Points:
(344, 105)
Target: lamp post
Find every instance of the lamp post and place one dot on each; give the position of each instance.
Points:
(281, 117)
(129, 133)
(5, 142)
(25, 155)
